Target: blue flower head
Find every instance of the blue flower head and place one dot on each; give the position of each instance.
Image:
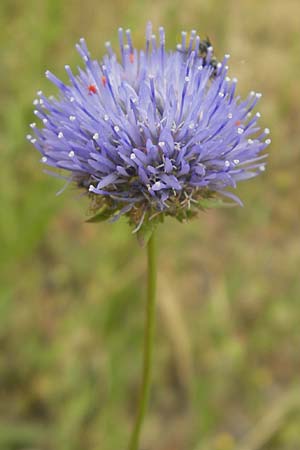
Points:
(151, 133)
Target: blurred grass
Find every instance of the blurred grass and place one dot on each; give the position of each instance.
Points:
(71, 294)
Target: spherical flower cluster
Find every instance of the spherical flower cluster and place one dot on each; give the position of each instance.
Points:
(154, 134)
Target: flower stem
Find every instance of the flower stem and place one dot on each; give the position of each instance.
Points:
(148, 343)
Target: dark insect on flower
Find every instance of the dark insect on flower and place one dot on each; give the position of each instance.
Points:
(158, 133)
(205, 51)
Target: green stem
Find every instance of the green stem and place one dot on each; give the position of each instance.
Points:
(148, 343)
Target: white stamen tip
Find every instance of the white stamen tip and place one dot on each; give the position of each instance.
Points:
(29, 137)
(45, 120)
(268, 141)
(229, 116)
(60, 135)
(250, 141)
(33, 125)
(132, 156)
(33, 141)
(262, 168)
(221, 94)
(157, 184)
(227, 163)
(161, 143)
(187, 79)
(267, 131)
(240, 130)
(252, 93)
(35, 102)
(234, 80)
(44, 159)
(236, 161)
(227, 56)
(258, 95)
(72, 118)
(116, 128)
(95, 135)
(71, 154)
(91, 188)
(47, 73)
(106, 118)
(227, 79)
(39, 92)
(258, 114)
(72, 99)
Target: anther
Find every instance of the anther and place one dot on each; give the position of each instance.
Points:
(95, 136)
(71, 154)
(92, 89)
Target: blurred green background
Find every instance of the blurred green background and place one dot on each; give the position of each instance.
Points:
(227, 359)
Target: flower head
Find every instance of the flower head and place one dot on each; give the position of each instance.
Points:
(156, 133)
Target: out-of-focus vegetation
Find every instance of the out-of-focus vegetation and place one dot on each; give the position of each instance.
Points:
(227, 361)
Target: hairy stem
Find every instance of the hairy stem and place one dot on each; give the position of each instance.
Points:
(148, 343)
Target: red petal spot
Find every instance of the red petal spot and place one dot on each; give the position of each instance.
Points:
(92, 89)
(131, 57)
(103, 80)
(238, 122)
